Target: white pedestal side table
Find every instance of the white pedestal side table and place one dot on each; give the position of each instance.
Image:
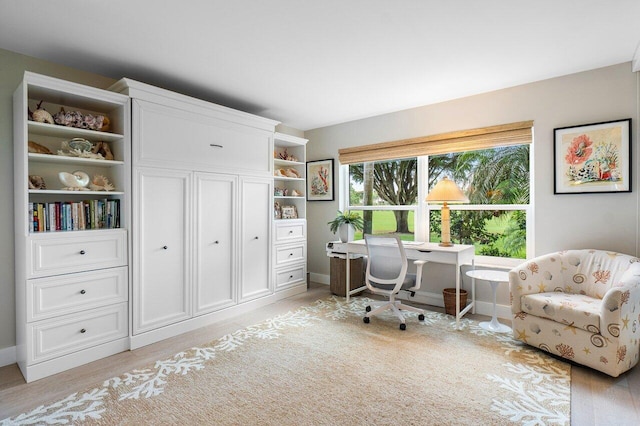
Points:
(494, 278)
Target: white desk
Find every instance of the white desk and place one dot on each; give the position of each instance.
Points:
(457, 255)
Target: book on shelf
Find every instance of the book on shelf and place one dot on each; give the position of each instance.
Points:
(75, 216)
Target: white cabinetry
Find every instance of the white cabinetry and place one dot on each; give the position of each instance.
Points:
(290, 230)
(70, 245)
(203, 188)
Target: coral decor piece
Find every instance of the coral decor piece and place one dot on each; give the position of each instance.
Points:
(79, 147)
(103, 149)
(40, 115)
(81, 121)
(37, 182)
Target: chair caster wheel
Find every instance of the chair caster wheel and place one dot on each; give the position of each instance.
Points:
(420, 317)
(366, 320)
(368, 309)
(403, 326)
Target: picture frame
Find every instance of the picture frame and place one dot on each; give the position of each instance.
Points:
(320, 180)
(592, 158)
(289, 212)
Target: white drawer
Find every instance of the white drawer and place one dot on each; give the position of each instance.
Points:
(290, 230)
(62, 253)
(174, 137)
(71, 333)
(66, 294)
(290, 253)
(290, 276)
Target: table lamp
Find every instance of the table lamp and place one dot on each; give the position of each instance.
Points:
(446, 191)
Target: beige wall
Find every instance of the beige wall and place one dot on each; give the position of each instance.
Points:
(605, 221)
(12, 67)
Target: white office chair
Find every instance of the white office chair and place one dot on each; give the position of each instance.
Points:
(387, 275)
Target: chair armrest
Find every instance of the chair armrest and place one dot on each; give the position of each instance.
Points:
(419, 265)
(537, 275)
(618, 316)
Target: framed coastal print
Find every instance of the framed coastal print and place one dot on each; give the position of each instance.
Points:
(593, 158)
(320, 180)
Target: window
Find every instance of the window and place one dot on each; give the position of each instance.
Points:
(390, 195)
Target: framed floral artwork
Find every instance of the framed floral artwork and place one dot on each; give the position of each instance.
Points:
(593, 158)
(320, 180)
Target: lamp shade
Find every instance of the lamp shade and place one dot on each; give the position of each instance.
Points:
(446, 191)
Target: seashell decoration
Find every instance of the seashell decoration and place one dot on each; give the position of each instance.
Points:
(36, 182)
(76, 181)
(103, 149)
(101, 183)
(292, 173)
(79, 147)
(36, 148)
(40, 115)
(296, 193)
(80, 120)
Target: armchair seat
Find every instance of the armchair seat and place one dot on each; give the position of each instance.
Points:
(582, 305)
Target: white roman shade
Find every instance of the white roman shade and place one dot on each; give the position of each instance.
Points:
(464, 140)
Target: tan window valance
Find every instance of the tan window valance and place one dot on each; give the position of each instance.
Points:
(463, 140)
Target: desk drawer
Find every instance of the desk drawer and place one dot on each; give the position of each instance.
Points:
(290, 253)
(290, 230)
(71, 333)
(66, 294)
(55, 254)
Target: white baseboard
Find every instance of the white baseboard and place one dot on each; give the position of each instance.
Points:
(320, 278)
(8, 356)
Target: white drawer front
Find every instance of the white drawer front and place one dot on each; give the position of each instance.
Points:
(184, 139)
(290, 276)
(290, 253)
(290, 231)
(55, 254)
(65, 294)
(71, 333)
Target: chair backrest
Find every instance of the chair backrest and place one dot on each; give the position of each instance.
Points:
(387, 262)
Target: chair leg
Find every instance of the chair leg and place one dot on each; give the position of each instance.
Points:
(409, 308)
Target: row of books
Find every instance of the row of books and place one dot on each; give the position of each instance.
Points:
(75, 216)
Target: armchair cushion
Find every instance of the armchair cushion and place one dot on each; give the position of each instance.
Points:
(583, 305)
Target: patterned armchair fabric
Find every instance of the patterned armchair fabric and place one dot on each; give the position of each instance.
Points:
(583, 305)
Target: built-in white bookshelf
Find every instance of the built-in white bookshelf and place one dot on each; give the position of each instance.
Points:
(289, 167)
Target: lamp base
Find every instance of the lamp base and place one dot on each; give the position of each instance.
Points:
(449, 244)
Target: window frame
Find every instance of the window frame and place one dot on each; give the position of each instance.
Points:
(422, 209)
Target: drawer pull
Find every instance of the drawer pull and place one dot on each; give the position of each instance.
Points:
(256, 238)
(83, 291)
(215, 145)
(83, 331)
(164, 247)
(291, 231)
(83, 252)
(290, 254)
(216, 242)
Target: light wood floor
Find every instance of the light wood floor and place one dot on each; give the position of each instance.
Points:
(596, 399)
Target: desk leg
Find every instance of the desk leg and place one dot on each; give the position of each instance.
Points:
(347, 279)
(457, 296)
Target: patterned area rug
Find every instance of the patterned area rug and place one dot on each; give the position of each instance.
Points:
(321, 365)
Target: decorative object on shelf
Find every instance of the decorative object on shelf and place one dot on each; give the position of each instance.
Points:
(292, 173)
(279, 172)
(289, 212)
(296, 193)
(278, 192)
(79, 147)
(37, 182)
(36, 148)
(446, 191)
(40, 115)
(81, 121)
(277, 210)
(101, 183)
(320, 180)
(592, 158)
(103, 149)
(286, 156)
(76, 181)
(346, 224)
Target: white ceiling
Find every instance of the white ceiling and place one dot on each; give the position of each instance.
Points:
(315, 63)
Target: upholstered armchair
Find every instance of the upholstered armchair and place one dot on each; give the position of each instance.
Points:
(583, 305)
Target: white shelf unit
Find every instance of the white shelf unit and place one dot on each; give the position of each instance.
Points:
(290, 234)
(71, 286)
(284, 186)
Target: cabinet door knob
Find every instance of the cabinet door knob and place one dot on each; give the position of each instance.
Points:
(256, 237)
(290, 254)
(83, 331)
(291, 231)
(164, 247)
(83, 291)
(290, 276)
(83, 252)
(215, 145)
(216, 242)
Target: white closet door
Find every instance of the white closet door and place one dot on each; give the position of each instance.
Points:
(255, 239)
(215, 242)
(161, 288)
